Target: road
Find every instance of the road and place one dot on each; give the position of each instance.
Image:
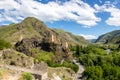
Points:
(80, 71)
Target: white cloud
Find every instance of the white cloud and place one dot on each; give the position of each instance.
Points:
(88, 37)
(74, 10)
(114, 19)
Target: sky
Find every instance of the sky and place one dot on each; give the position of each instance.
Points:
(88, 18)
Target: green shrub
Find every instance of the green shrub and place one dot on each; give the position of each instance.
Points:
(70, 65)
(44, 56)
(4, 44)
(48, 57)
(27, 76)
(93, 73)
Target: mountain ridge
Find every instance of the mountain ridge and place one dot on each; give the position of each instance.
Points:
(110, 37)
(32, 35)
(30, 27)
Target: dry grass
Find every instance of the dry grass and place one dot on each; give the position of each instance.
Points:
(62, 72)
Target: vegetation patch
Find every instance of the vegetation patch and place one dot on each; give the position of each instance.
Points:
(98, 64)
(26, 76)
(4, 44)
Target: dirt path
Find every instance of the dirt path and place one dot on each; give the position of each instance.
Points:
(80, 71)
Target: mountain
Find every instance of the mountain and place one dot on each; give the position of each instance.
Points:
(32, 35)
(92, 40)
(32, 27)
(110, 37)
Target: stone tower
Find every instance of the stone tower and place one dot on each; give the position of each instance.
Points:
(21, 38)
(53, 38)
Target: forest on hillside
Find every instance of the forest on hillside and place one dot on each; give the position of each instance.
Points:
(99, 65)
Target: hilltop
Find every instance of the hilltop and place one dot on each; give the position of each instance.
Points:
(33, 35)
(32, 27)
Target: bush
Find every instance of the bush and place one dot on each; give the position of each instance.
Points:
(43, 56)
(4, 44)
(93, 73)
(27, 76)
(70, 65)
(48, 58)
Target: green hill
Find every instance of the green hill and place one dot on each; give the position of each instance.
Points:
(32, 37)
(32, 27)
(110, 38)
(71, 38)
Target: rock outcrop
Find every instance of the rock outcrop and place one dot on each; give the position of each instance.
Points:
(12, 57)
(48, 41)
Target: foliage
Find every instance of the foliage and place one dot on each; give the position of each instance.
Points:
(48, 57)
(77, 50)
(4, 44)
(98, 64)
(93, 73)
(110, 37)
(44, 56)
(27, 76)
(70, 65)
(67, 64)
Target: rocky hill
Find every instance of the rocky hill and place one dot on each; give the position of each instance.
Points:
(32, 33)
(32, 27)
(31, 41)
(110, 37)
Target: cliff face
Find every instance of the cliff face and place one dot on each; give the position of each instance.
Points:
(46, 40)
(32, 33)
(25, 45)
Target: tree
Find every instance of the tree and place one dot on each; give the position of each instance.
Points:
(77, 50)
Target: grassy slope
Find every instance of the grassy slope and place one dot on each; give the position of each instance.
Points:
(73, 39)
(12, 57)
(111, 37)
(31, 27)
(62, 72)
(11, 34)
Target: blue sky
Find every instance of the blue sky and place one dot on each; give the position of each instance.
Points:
(89, 18)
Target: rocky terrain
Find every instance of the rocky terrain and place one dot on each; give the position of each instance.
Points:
(28, 43)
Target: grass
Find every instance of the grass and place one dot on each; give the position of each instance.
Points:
(11, 33)
(12, 57)
(26, 76)
(4, 44)
(3, 73)
(43, 56)
(62, 72)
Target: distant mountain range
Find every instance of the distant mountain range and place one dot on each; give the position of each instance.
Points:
(110, 38)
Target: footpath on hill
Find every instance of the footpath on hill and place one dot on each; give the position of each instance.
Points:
(80, 71)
